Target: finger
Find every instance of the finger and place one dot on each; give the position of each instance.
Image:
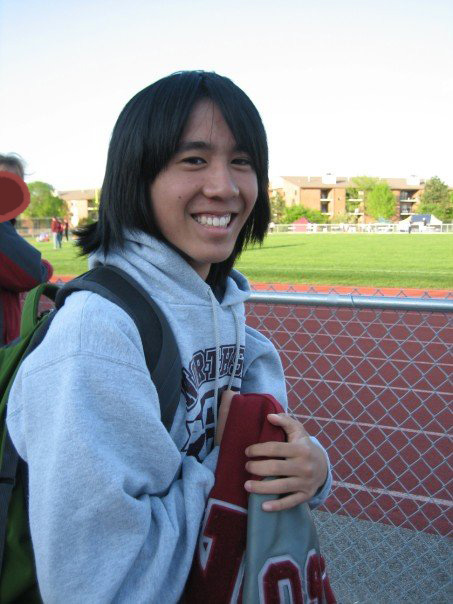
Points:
(294, 428)
(281, 467)
(273, 487)
(280, 449)
(285, 503)
(269, 467)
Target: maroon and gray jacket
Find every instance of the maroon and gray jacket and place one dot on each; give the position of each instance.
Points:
(246, 555)
(21, 269)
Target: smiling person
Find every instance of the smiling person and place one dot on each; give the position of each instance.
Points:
(116, 502)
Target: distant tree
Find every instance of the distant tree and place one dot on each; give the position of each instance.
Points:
(43, 202)
(365, 184)
(380, 202)
(344, 218)
(354, 198)
(85, 221)
(437, 200)
(277, 208)
(293, 213)
(352, 193)
(94, 213)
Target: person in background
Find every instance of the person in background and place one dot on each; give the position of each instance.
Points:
(54, 227)
(21, 265)
(60, 232)
(66, 228)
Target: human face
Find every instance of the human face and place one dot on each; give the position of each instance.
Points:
(203, 197)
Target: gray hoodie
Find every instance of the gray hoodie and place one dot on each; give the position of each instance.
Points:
(116, 502)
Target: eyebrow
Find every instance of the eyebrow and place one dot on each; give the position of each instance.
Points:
(202, 146)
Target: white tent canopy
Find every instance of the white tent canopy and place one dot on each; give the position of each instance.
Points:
(419, 220)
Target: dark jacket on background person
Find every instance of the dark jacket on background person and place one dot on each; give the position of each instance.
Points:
(21, 269)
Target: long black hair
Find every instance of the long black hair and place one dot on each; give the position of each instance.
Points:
(144, 139)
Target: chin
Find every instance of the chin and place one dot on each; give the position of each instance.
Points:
(216, 256)
(219, 258)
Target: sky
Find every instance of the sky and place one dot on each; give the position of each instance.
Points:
(356, 87)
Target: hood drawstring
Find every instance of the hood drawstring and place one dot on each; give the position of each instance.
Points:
(217, 352)
(238, 348)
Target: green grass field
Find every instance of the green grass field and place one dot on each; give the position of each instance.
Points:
(65, 261)
(378, 260)
(386, 260)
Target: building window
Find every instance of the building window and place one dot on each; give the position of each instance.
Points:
(405, 208)
(324, 207)
(325, 193)
(405, 195)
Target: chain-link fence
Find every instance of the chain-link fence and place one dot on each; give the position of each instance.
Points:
(407, 292)
(378, 227)
(372, 378)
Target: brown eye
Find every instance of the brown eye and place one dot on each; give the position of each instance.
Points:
(194, 161)
(242, 161)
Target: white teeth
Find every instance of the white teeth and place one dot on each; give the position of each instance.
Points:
(216, 221)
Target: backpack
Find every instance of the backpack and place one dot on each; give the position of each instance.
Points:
(17, 575)
(243, 553)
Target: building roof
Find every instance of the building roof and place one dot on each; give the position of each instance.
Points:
(77, 195)
(315, 182)
(346, 182)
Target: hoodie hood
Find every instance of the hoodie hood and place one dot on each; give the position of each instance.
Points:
(210, 333)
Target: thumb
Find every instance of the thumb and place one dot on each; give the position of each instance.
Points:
(294, 428)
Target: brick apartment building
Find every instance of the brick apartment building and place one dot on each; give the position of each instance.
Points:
(331, 194)
(81, 204)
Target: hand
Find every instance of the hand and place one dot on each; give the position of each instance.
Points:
(225, 404)
(299, 463)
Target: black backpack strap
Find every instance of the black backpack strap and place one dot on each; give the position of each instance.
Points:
(159, 344)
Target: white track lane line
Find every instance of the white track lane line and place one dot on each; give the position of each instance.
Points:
(366, 425)
(370, 386)
(400, 494)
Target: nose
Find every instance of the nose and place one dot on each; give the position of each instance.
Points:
(220, 183)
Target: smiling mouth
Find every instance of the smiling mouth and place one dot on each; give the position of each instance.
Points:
(212, 220)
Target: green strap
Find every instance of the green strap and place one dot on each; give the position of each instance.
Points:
(29, 318)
